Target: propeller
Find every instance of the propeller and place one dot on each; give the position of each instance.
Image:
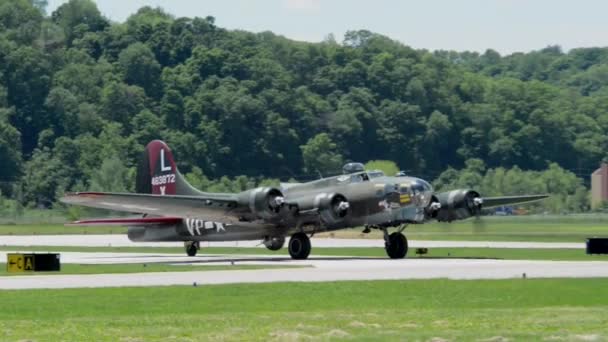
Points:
(434, 206)
(340, 206)
(475, 205)
(275, 203)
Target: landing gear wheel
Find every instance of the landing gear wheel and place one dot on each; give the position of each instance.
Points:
(192, 247)
(396, 247)
(275, 243)
(299, 246)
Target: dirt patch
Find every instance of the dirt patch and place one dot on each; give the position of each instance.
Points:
(495, 339)
(441, 323)
(302, 326)
(588, 337)
(131, 339)
(337, 333)
(289, 336)
(358, 324)
(438, 339)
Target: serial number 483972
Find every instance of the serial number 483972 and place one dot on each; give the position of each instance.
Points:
(163, 179)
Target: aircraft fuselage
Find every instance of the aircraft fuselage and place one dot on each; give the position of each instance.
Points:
(374, 200)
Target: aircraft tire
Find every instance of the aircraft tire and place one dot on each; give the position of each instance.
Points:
(275, 244)
(299, 246)
(192, 248)
(397, 246)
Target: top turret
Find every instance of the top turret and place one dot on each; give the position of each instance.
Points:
(352, 168)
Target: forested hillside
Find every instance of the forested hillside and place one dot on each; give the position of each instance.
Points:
(80, 96)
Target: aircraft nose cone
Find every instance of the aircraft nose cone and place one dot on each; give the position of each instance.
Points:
(422, 192)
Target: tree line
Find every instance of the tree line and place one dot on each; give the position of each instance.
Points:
(80, 96)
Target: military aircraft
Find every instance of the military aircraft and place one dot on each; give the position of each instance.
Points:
(175, 211)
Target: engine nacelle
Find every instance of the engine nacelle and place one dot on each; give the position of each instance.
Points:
(264, 203)
(332, 207)
(455, 205)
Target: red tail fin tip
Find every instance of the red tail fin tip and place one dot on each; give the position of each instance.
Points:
(162, 168)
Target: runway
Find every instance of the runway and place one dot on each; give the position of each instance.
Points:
(319, 269)
(316, 268)
(121, 240)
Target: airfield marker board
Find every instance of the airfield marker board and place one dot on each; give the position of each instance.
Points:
(16, 262)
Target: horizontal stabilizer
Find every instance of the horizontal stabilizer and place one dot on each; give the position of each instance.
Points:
(213, 206)
(128, 222)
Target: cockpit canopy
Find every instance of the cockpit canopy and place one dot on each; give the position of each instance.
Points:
(360, 176)
(352, 168)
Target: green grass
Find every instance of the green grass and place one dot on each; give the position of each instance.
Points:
(512, 254)
(529, 310)
(140, 268)
(56, 229)
(32, 216)
(573, 228)
(492, 253)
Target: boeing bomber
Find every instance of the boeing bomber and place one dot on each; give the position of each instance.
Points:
(172, 210)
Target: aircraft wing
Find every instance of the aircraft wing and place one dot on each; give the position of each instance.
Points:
(489, 202)
(218, 207)
(128, 221)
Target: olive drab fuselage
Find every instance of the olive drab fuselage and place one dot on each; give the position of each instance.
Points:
(374, 200)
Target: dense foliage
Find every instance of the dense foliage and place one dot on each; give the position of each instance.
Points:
(80, 96)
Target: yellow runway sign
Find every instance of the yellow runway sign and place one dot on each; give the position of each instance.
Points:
(17, 262)
(14, 263)
(28, 263)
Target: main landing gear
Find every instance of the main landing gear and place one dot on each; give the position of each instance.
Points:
(274, 243)
(192, 247)
(395, 244)
(299, 246)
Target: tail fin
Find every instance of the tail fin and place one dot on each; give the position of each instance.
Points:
(157, 173)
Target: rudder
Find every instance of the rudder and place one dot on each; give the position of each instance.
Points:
(157, 173)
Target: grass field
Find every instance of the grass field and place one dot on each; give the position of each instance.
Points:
(141, 268)
(56, 229)
(419, 310)
(572, 228)
(485, 253)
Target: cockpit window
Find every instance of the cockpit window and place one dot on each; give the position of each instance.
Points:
(375, 174)
(345, 179)
(419, 186)
(359, 177)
